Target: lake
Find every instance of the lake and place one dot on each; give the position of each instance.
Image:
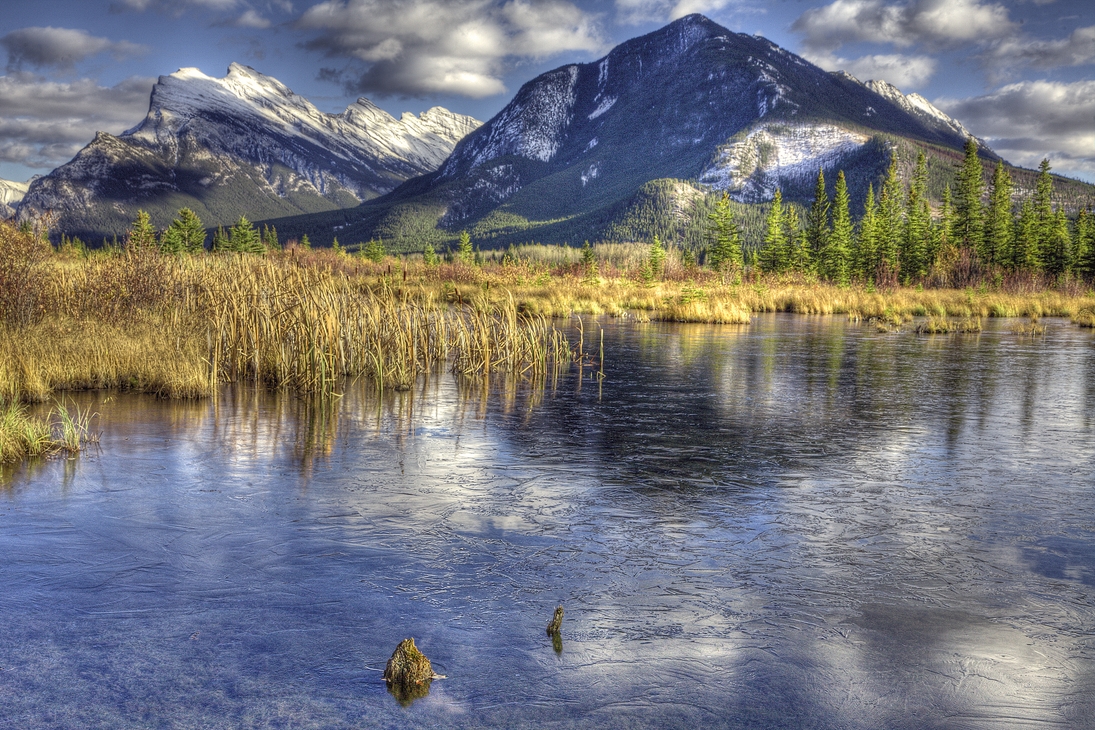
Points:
(803, 523)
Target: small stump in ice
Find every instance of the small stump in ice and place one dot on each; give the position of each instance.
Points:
(555, 630)
(408, 668)
(556, 624)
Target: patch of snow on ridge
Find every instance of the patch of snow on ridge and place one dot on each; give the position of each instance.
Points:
(603, 107)
(916, 105)
(531, 126)
(753, 167)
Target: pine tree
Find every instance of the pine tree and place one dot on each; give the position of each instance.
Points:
(305, 242)
(1027, 255)
(866, 253)
(969, 214)
(337, 247)
(834, 263)
(464, 251)
(1043, 209)
(270, 238)
(657, 258)
(1085, 244)
(891, 227)
(221, 243)
(141, 235)
(798, 256)
(243, 238)
(429, 255)
(943, 238)
(724, 239)
(996, 248)
(914, 260)
(817, 220)
(186, 234)
(1057, 257)
(773, 255)
(374, 250)
(589, 262)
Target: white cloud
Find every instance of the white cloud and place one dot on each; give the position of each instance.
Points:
(933, 23)
(415, 47)
(44, 123)
(905, 72)
(251, 19)
(634, 12)
(1076, 50)
(59, 47)
(174, 5)
(1027, 121)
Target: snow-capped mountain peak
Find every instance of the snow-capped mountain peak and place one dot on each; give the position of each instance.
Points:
(245, 131)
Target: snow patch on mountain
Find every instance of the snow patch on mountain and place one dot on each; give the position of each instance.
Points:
(532, 125)
(603, 107)
(916, 105)
(754, 165)
(12, 192)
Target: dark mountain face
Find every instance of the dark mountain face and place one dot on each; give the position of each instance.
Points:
(692, 101)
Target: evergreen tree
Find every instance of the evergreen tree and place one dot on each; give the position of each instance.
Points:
(305, 242)
(1057, 257)
(374, 250)
(1084, 250)
(798, 245)
(186, 234)
(270, 238)
(943, 240)
(337, 247)
(817, 220)
(996, 248)
(464, 251)
(589, 262)
(914, 249)
(773, 255)
(657, 258)
(891, 227)
(429, 255)
(221, 243)
(1026, 253)
(141, 235)
(866, 253)
(969, 214)
(1043, 210)
(835, 261)
(724, 238)
(243, 238)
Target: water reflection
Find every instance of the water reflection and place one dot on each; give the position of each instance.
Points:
(803, 523)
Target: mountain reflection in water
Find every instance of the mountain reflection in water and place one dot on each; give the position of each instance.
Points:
(801, 523)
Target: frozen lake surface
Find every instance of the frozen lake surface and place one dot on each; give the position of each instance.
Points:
(803, 523)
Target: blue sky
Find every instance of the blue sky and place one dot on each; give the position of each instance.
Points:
(1018, 73)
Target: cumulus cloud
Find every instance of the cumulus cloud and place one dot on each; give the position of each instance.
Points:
(43, 123)
(935, 24)
(634, 12)
(173, 5)
(251, 19)
(59, 48)
(905, 72)
(417, 47)
(1027, 121)
(1076, 50)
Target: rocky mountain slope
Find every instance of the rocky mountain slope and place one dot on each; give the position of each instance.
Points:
(243, 144)
(692, 101)
(10, 195)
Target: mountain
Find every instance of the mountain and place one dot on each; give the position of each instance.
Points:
(10, 195)
(243, 144)
(569, 156)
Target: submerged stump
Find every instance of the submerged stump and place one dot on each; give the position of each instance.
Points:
(556, 624)
(408, 667)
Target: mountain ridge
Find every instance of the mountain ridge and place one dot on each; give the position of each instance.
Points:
(246, 138)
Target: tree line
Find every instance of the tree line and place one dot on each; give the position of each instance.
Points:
(977, 233)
